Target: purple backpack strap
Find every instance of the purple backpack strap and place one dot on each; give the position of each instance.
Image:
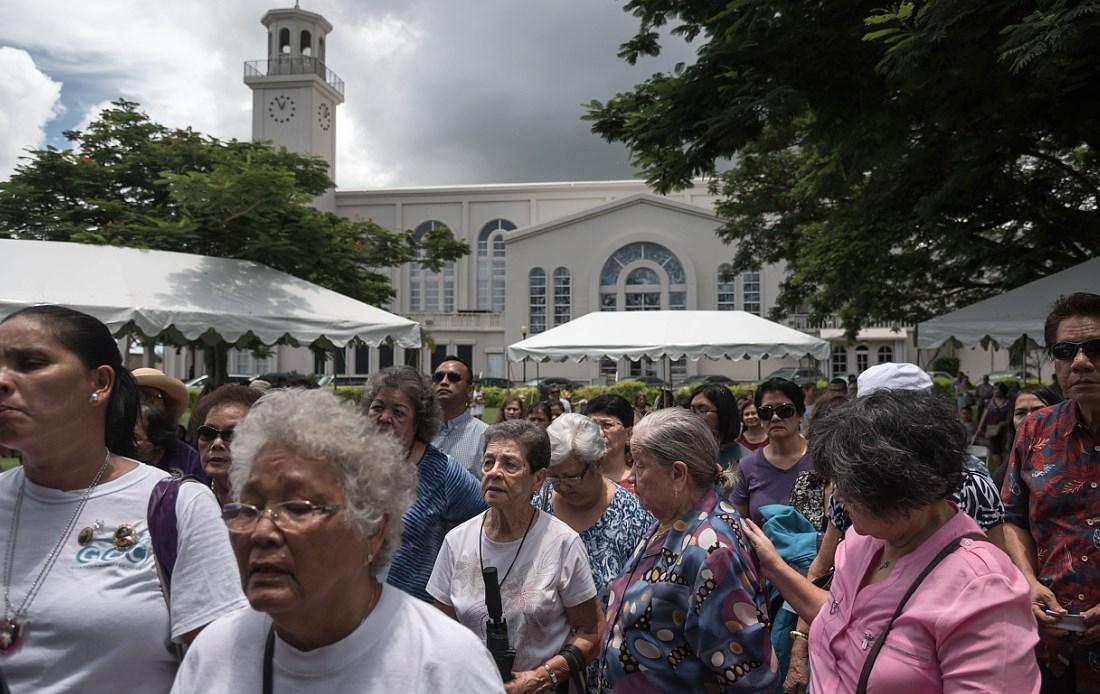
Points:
(163, 526)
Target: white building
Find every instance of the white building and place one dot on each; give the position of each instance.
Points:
(541, 253)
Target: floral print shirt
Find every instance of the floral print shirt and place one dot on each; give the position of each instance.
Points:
(689, 613)
(1052, 489)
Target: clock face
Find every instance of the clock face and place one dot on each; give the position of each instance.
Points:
(324, 116)
(281, 108)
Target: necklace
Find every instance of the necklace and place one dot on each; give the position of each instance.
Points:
(885, 563)
(481, 537)
(14, 624)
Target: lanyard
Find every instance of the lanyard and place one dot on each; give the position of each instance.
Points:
(269, 656)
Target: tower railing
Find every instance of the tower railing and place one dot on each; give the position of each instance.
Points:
(293, 65)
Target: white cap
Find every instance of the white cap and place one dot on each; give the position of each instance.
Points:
(892, 376)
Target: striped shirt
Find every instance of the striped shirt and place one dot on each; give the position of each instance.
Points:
(463, 438)
(446, 495)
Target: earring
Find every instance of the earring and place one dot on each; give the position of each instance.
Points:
(95, 397)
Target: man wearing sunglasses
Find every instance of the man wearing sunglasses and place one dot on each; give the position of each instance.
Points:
(1052, 499)
(462, 435)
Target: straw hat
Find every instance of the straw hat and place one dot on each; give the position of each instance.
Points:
(175, 392)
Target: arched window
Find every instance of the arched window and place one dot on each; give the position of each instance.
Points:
(536, 288)
(727, 289)
(885, 354)
(750, 293)
(490, 265)
(654, 279)
(284, 41)
(431, 292)
(305, 45)
(863, 358)
(563, 296)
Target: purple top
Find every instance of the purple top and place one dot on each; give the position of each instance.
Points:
(760, 483)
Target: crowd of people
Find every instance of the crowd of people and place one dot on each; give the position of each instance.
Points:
(291, 540)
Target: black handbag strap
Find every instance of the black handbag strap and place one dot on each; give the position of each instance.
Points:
(868, 664)
(3, 684)
(575, 660)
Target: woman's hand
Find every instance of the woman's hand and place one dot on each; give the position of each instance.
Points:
(528, 682)
(798, 675)
(770, 561)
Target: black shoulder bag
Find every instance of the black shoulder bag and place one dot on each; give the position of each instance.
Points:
(881, 640)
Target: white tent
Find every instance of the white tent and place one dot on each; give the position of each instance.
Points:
(673, 334)
(181, 297)
(1004, 319)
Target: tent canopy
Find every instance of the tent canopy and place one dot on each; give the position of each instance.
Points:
(675, 334)
(1002, 320)
(181, 298)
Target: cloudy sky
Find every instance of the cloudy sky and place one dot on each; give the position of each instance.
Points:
(438, 91)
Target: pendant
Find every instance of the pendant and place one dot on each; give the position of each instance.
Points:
(85, 536)
(11, 635)
(125, 537)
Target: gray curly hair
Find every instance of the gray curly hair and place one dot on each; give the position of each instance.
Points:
(418, 388)
(377, 481)
(573, 435)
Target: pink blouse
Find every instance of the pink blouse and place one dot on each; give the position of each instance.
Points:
(968, 627)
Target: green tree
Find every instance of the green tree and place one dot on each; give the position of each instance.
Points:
(900, 161)
(128, 181)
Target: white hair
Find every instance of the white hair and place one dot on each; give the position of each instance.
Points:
(376, 479)
(573, 435)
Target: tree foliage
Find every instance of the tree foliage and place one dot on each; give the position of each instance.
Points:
(128, 181)
(902, 161)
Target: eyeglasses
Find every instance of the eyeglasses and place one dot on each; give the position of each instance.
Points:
(207, 434)
(288, 515)
(703, 410)
(1067, 351)
(785, 411)
(559, 479)
(451, 376)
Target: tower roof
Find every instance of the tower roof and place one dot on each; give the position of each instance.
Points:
(295, 13)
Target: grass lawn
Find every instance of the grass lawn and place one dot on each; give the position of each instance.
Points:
(8, 463)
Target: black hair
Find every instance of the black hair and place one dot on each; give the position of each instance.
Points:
(90, 340)
(541, 406)
(840, 381)
(781, 385)
(729, 417)
(460, 360)
(614, 405)
(1067, 306)
(160, 431)
(228, 394)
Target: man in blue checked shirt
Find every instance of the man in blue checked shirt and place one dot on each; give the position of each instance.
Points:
(463, 435)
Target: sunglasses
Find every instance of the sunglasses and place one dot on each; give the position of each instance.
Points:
(451, 376)
(785, 411)
(1067, 351)
(208, 434)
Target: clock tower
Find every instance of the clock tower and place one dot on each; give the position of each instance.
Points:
(294, 94)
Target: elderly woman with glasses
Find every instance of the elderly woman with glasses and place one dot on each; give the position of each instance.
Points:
(767, 475)
(545, 582)
(219, 412)
(320, 493)
(608, 518)
(688, 613)
(615, 417)
(921, 600)
(400, 401)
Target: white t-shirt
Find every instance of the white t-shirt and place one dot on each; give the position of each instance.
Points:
(100, 622)
(404, 645)
(550, 574)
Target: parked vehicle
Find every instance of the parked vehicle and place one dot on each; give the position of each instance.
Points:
(799, 374)
(492, 382)
(200, 381)
(1008, 375)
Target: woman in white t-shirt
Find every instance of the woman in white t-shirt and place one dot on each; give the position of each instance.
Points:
(320, 491)
(85, 610)
(545, 580)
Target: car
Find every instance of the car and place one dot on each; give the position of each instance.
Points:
(492, 382)
(941, 374)
(200, 381)
(718, 379)
(650, 381)
(559, 381)
(799, 374)
(1009, 375)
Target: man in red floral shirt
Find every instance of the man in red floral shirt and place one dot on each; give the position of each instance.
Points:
(1052, 499)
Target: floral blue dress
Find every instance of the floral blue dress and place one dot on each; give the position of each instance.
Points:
(612, 539)
(690, 614)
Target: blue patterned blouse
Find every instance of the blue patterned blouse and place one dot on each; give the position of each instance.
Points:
(689, 613)
(612, 539)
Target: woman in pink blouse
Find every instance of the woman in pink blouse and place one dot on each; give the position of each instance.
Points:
(918, 592)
